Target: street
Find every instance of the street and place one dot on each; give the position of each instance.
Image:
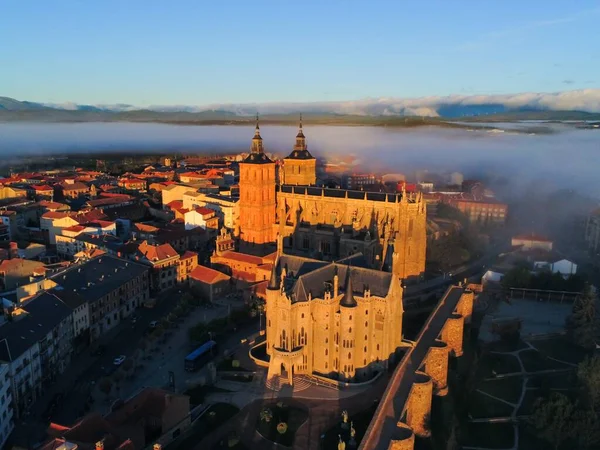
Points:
(86, 369)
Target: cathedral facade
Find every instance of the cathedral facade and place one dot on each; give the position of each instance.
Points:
(323, 223)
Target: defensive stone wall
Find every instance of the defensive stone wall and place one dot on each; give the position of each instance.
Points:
(404, 438)
(419, 405)
(436, 366)
(465, 305)
(452, 334)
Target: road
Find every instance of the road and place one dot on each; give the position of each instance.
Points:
(85, 368)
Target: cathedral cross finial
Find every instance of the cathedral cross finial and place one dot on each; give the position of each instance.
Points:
(300, 120)
(257, 127)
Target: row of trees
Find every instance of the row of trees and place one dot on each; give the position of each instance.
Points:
(522, 277)
(559, 418)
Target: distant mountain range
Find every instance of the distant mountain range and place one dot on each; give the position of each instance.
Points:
(569, 105)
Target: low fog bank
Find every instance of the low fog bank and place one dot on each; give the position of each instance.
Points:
(517, 163)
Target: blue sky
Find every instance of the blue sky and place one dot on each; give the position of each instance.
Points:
(197, 52)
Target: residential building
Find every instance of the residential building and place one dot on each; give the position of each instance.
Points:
(592, 231)
(132, 184)
(113, 288)
(490, 211)
(175, 192)
(7, 422)
(531, 242)
(209, 283)
(8, 220)
(227, 208)
(356, 181)
(35, 342)
(188, 261)
(164, 261)
(202, 217)
(17, 272)
(151, 419)
(72, 189)
(68, 247)
(557, 265)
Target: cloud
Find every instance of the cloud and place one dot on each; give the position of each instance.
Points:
(568, 81)
(492, 37)
(577, 100)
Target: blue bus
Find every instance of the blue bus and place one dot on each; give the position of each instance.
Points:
(200, 356)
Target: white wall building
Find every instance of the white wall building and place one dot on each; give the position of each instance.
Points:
(6, 412)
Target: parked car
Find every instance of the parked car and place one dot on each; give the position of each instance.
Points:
(119, 360)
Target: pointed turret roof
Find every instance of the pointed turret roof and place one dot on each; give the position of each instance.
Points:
(274, 281)
(300, 149)
(257, 154)
(348, 300)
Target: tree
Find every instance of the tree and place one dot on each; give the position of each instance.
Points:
(587, 429)
(105, 386)
(553, 419)
(581, 323)
(588, 374)
(519, 277)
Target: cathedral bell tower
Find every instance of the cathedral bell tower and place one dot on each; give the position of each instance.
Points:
(257, 198)
(300, 167)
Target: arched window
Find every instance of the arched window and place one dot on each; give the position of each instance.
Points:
(365, 349)
(350, 330)
(269, 322)
(350, 318)
(302, 316)
(365, 362)
(366, 312)
(366, 324)
(327, 340)
(349, 355)
(326, 352)
(365, 337)
(326, 365)
(377, 347)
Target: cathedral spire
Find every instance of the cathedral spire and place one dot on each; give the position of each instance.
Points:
(257, 145)
(274, 280)
(300, 138)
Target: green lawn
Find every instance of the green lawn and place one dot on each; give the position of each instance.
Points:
(499, 364)
(561, 348)
(214, 417)
(563, 380)
(534, 361)
(488, 435)
(481, 406)
(505, 346)
(508, 389)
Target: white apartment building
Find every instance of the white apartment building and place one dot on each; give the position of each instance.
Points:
(6, 412)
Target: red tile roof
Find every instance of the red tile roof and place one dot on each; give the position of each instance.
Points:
(42, 187)
(207, 275)
(189, 254)
(156, 253)
(202, 210)
(55, 215)
(242, 257)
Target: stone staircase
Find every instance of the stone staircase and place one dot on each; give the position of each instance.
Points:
(277, 382)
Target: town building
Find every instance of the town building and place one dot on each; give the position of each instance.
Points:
(209, 283)
(7, 422)
(35, 342)
(486, 212)
(71, 189)
(188, 262)
(17, 272)
(132, 184)
(202, 217)
(226, 208)
(112, 287)
(164, 261)
(151, 419)
(532, 241)
(592, 231)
